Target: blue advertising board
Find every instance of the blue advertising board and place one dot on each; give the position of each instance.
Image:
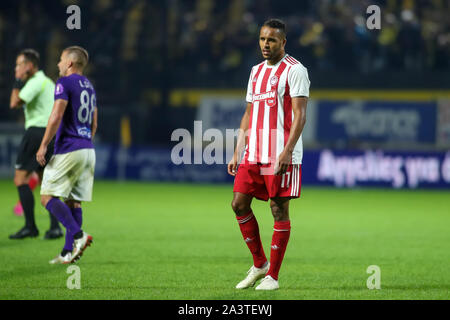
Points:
(326, 167)
(344, 169)
(377, 169)
(376, 121)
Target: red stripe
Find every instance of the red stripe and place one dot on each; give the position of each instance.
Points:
(287, 108)
(292, 60)
(260, 122)
(295, 60)
(273, 117)
(256, 76)
(251, 109)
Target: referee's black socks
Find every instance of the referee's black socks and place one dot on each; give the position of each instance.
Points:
(27, 199)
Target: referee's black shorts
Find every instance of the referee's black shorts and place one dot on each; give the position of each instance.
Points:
(31, 141)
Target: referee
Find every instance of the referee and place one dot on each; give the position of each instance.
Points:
(34, 91)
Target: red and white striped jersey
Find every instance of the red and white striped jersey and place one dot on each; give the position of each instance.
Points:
(270, 89)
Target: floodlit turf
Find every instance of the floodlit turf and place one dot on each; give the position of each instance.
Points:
(169, 241)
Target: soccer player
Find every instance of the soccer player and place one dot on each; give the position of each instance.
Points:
(70, 172)
(277, 96)
(33, 91)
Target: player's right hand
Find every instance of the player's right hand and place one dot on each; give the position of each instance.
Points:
(40, 155)
(232, 166)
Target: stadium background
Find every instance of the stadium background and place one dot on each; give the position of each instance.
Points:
(379, 115)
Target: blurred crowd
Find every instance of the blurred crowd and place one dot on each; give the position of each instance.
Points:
(324, 34)
(204, 43)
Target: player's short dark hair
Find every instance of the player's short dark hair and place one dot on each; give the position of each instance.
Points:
(80, 54)
(276, 24)
(30, 55)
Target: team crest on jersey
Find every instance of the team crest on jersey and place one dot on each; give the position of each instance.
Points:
(59, 88)
(274, 81)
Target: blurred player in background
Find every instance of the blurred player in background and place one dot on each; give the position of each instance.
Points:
(33, 90)
(33, 183)
(277, 96)
(70, 172)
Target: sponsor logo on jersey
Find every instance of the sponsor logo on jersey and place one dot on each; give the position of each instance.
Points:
(264, 96)
(84, 132)
(269, 97)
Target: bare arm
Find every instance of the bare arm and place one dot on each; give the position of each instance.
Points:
(232, 165)
(299, 109)
(94, 123)
(52, 126)
(14, 100)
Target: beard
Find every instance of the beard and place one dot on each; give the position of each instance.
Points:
(272, 55)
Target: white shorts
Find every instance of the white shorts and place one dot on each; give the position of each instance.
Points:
(70, 175)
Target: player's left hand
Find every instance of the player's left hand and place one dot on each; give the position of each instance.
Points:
(283, 162)
(40, 155)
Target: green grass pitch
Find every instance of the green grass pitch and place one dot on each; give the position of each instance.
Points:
(179, 241)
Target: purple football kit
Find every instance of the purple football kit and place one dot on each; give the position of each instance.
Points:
(70, 172)
(74, 132)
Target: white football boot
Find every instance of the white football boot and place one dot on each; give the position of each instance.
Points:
(268, 283)
(79, 245)
(253, 274)
(59, 259)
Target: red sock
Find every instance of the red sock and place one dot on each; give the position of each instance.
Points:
(280, 238)
(250, 232)
(34, 181)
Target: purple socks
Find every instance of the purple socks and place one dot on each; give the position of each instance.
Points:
(77, 215)
(70, 219)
